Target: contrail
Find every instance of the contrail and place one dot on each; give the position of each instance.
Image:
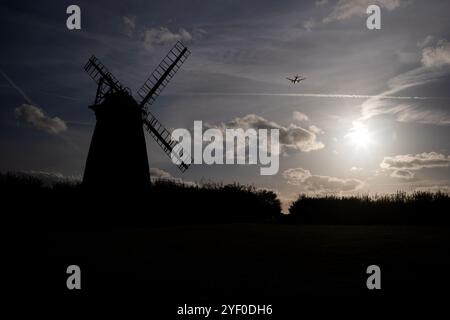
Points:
(27, 99)
(312, 95)
(60, 96)
(17, 88)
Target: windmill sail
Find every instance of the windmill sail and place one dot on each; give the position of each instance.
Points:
(161, 76)
(101, 75)
(148, 93)
(163, 137)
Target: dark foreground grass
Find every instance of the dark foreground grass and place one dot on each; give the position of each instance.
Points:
(293, 267)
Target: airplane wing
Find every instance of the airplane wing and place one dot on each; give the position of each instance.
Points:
(292, 80)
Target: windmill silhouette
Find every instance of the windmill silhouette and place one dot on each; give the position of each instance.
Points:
(117, 157)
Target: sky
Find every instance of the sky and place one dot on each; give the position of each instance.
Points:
(371, 117)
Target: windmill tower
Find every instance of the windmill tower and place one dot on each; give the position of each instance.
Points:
(117, 157)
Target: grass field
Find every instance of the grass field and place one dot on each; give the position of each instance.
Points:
(256, 262)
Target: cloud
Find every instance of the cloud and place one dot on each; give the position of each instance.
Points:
(33, 115)
(316, 129)
(300, 116)
(309, 24)
(346, 9)
(153, 37)
(36, 117)
(49, 179)
(320, 3)
(296, 175)
(292, 137)
(129, 25)
(436, 56)
(435, 66)
(410, 113)
(163, 36)
(356, 169)
(415, 162)
(403, 174)
(320, 184)
(425, 42)
(157, 174)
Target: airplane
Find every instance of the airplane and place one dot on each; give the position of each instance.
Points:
(296, 79)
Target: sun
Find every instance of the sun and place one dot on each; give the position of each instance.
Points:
(359, 135)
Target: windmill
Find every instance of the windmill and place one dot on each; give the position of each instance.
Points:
(117, 157)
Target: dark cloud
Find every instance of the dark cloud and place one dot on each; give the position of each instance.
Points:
(346, 9)
(163, 36)
(160, 36)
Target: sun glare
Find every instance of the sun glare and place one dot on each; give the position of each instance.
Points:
(359, 135)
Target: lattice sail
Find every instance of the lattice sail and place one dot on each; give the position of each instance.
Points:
(163, 137)
(161, 76)
(101, 75)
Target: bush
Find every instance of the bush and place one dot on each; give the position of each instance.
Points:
(164, 202)
(399, 208)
